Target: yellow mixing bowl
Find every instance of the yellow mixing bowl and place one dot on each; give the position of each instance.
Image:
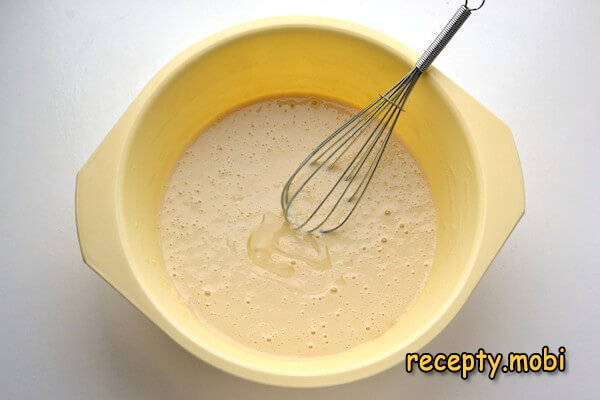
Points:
(467, 154)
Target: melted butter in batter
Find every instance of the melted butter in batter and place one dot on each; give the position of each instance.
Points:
(242, 269)
(298, 260)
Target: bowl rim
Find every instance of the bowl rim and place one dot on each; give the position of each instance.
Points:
(218, 359)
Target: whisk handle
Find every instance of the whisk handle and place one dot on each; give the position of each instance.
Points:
(443, 38)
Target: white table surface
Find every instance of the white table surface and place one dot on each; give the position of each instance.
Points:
(69, 69)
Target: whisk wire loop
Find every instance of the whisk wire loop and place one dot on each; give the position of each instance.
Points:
(379, 119)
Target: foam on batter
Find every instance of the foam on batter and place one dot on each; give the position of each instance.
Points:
(241, 268)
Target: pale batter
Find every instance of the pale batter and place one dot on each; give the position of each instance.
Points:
(255, 280)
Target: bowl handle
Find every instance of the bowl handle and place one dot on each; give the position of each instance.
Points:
(502, 178)
(97, 216)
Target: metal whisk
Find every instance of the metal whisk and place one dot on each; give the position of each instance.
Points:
(334, 177)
